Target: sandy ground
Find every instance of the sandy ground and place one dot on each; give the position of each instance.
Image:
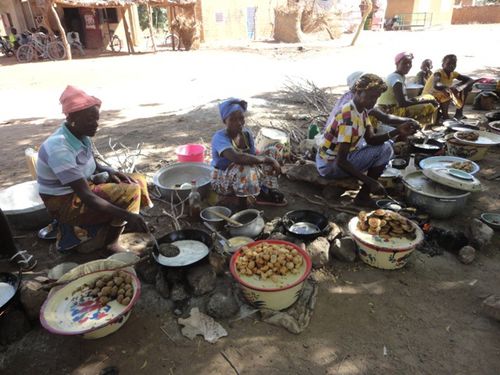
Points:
(427, 315)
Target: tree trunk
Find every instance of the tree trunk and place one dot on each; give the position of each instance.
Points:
(150, 26)
(61, 32)
(368, 10)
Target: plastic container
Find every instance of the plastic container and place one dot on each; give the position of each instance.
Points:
(191, 153)
(312, 131)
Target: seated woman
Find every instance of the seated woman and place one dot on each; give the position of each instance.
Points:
(394, 100)
(441, 87)
(238, 171)
(375, 113)
(65, 167)
(349, 146)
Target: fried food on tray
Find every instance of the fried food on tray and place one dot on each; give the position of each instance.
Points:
(468, 136)
(386, 224)
(465, 166)
(117, 286)
(268, 260)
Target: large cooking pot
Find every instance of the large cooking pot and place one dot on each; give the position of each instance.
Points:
(9, 291)
(437, 200)
(23, 206)
(253, 223)
(431, 147)
(168, 180)
(292, 218)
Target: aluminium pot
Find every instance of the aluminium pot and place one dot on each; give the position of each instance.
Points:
(252, 223)
(437, 200)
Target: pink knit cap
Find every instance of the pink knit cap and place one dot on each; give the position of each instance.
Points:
(400, 56)
(73, 99)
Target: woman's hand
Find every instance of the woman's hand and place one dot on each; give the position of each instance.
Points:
(119, 177)
(137, 222)
(408, 128)
(375, 186)
(276, 166)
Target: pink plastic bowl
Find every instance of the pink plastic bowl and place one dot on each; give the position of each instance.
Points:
(191, 153)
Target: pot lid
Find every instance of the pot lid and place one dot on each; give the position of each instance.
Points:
(417, 182)
(454, 178)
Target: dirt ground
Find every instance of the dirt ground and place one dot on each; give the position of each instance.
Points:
(427, 316)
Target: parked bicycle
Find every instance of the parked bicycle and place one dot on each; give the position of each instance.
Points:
(5, 47)
(41, 47)
(164, 40)
(115, 42)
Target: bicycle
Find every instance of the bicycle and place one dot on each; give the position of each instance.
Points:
(42, 48)
(115, 42)
(165, 40)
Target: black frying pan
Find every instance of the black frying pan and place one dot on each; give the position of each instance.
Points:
(307, 216)
(15, 282)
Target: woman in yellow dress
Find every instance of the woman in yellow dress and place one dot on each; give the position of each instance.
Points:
(440, 86)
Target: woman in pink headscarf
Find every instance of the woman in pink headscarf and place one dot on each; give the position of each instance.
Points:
(83, 204)
(394, 101)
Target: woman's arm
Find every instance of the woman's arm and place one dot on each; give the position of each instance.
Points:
(401, 99)
(406, 129)
(94, 202)
(114, 175)
(389, 119)
(249, 159)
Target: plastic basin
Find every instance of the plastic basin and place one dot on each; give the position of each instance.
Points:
(191, 153)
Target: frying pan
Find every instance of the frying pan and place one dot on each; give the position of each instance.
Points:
(185, 234)
(305, 216)
(15, 282)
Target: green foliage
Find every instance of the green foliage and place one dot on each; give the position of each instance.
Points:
(159, 17)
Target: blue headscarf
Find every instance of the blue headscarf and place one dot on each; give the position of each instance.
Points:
(231, 105)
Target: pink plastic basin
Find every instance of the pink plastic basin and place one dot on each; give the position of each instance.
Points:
(191, 153)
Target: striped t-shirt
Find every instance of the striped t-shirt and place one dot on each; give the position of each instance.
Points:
(62, 159)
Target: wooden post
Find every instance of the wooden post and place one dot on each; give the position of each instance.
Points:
(150, 25)
(61, 31)
(130, 46)
(369, 7)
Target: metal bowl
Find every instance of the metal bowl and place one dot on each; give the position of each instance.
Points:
(9, 291)
(23, 206)
(492, 219)
(169, 179)
(208, 216)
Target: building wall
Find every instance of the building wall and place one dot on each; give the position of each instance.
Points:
(441, 10)
(13, 8)
(227, 19)
(478, 14)
(395, 7)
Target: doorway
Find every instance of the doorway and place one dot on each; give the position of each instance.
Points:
(73, 22)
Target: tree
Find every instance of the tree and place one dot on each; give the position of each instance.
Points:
(159, 17)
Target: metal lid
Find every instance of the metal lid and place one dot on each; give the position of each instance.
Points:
(453, 178)
(416, 181)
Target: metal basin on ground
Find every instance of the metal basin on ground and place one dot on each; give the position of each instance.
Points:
(169, 179)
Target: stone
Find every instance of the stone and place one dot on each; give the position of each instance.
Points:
(491, 307)
(201, 279)
(13, 326)
(319, 252)
(147, 270)
(32, 298)
(344, 249)
(272, 226)
(467, 254)
(342, 218)
(333, 231)
(479, 234)
(218, 262)
(162, 284)
(135, 242)
(222, 305)
(175, 275)
(178, 292)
